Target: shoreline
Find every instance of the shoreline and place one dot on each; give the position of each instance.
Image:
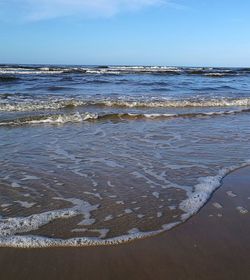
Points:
(195, 202)
(213, 244)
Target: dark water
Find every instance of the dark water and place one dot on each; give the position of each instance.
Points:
(97, 155)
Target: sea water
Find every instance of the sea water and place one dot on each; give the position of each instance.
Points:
(95, 155)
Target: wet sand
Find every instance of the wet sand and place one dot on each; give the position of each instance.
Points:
(214, 244)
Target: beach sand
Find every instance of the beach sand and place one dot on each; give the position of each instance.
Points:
(214, 244)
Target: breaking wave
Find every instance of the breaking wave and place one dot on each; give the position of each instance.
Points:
(81, 117)
(117, 70)
(72, 103)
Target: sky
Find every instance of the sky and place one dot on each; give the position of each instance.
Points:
(125, 32)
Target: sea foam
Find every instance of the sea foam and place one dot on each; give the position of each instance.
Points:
(57, 104)
(11, 227)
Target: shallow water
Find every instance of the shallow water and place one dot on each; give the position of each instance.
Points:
(104, 155)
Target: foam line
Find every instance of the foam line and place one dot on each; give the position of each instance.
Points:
(56, 104)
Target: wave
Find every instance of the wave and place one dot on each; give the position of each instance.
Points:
(153, 83)
(81, 117)
(11, 227)
(40, 105)
(29, 72)
(15, 95)
(5, 95)
(59, 88)
(118, 70)
(219, 74)
(50, 119)
(97, 82)
(72, 103)
(7, 79)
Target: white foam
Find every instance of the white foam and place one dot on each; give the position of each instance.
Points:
(41, 105)
(22, 72)
(133, 230)
(156, 194)
(140, 216)
(108, 218)
(216, 74)
(220, 102)
(30, 177)
(57, 104)
(203, 191)
(25, 204)
(159, 214)
(217, 205)
(5, 205)
(112, 196)
(120, 202)
(60, 119)
(9, 228)
(110, 184)
(82, 207)
(78, 118)
(12, 226)
(231, 194)
(102, 232)
(94, 194)
(242, 210)
(40, 242)
(15, 185)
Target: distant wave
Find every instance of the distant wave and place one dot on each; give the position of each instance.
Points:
(118, 70)
(81, 117)
(72, 103)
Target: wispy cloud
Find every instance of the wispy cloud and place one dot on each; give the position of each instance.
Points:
(46, 9)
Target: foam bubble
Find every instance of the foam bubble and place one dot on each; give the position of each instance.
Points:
(108, 218)
(156, 195)
(25, 204)
(203, 191)
(217, 205)
(242, 210)
(140, 216)
(12, 226)
(128, 211)
(120, 202)
(15, 185)
(231, 194)
(159, 214)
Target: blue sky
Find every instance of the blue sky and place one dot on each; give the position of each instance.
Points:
(137, 32)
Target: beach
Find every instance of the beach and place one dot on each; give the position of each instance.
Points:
(124, 140)
(213, 244)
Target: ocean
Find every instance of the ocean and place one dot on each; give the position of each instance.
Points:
(97, 155)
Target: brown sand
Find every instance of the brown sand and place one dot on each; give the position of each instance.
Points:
(214, 244)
